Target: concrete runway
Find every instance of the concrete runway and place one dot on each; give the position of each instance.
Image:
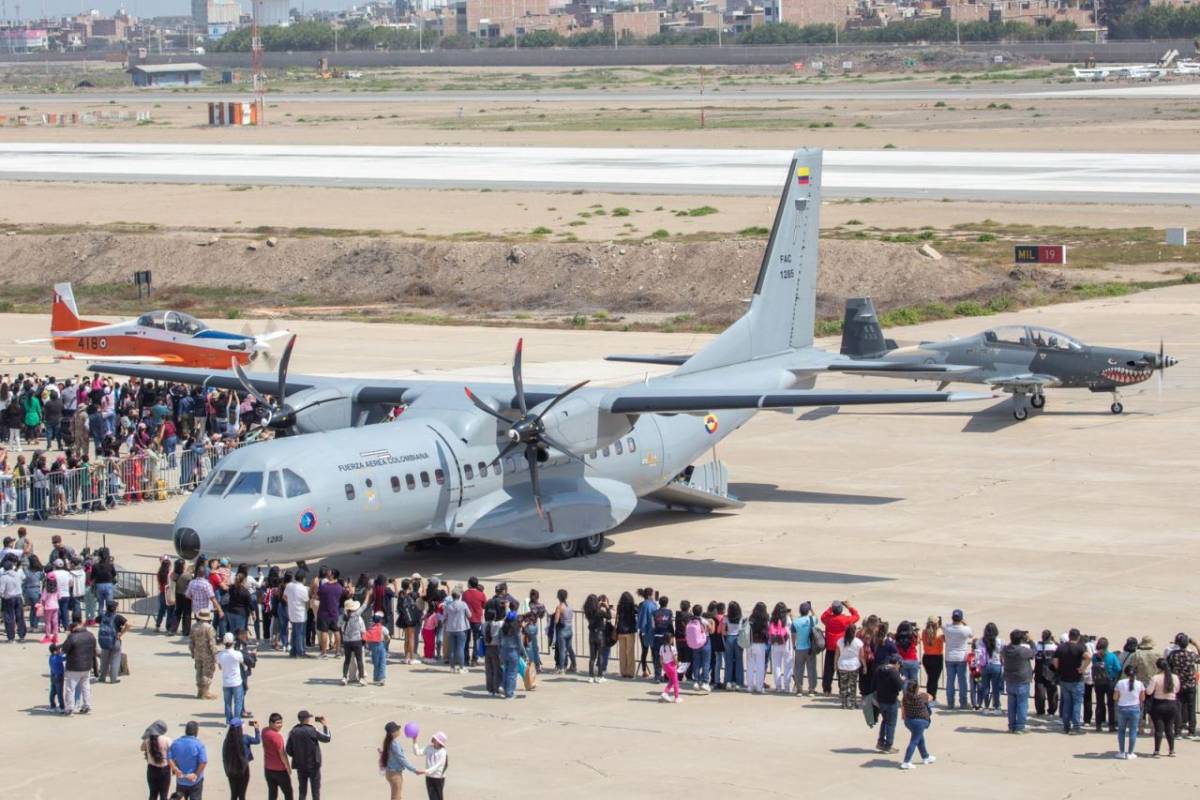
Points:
(850, 92)
(1072, 518)
(1092, 177)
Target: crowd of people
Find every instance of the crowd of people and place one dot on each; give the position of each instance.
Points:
(890, 674)
(89, 442)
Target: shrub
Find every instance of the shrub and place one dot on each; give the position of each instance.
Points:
(541, 230)
(986, 237)
(754, 230)
(661, 233)
(620, 211)
(970, 308)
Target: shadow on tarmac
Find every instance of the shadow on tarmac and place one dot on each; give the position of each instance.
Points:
(771, 493)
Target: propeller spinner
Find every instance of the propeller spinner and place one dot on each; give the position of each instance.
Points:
(529, 430)
(280, 416)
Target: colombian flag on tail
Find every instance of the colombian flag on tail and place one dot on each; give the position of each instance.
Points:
(802, 176)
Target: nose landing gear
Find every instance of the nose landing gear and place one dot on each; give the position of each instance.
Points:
(1019, 411)
(1116, 406)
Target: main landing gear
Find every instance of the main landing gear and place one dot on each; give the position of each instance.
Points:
(587, 546)
(1020, 412)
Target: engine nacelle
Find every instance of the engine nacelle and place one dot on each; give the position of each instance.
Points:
(324, 408)
(579, 424)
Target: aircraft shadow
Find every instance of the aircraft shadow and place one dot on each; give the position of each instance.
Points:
(769, 492)
(821, 412)
(994, 418)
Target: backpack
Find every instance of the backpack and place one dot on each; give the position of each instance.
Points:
(743, 635)
(107, 632)
(818, 639)
(1100, 673)
(697, 635)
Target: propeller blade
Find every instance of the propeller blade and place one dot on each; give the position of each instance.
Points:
(560, 447)
(247, 331)
(561, 396)
(484, 407)
(518, 380)
(244, 380)
(531, 457)
(508, 448)
(281, 397)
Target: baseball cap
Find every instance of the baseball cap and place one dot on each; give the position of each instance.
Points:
(957, 615)
(227, 638)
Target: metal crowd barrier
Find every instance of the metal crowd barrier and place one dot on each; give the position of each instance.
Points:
(109, 482)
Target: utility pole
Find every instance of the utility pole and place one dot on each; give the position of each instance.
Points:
(256, 66)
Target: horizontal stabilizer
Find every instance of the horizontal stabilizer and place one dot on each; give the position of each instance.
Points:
(673, 361)
(653, 399)
(681, 495)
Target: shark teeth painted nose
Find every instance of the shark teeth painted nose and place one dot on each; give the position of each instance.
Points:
(1122, 375)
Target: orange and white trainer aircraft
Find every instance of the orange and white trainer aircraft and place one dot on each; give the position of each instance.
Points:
(156, 337)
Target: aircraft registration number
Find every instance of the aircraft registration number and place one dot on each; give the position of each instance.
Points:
(274, 539)
(91, 343)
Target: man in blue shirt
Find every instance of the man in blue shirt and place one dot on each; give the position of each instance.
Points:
(188, 760)
(645, 626)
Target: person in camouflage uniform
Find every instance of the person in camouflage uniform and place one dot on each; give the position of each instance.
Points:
(202, 642)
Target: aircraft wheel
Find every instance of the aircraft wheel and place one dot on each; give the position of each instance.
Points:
(1116, 408)
(563, 550)
(590, 545)
(1038, 401)
(1020, 413)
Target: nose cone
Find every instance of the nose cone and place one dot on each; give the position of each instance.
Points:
(1164, 361)
(187, 543)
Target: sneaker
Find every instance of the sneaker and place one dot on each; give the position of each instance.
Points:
(600, 679)
(662, 698)
(85, 710)
(678, 699)
(344, 681)
(1131, 756)
(591, 679)
(906, 765)
(704, 687)
(1121, 756)
(928, 759)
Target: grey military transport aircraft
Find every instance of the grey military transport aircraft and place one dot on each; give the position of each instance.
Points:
(534, 467)
(1023, 360)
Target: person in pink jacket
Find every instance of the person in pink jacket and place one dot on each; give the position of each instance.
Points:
(839, 616)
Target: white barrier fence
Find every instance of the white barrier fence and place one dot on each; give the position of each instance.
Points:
(107, 482)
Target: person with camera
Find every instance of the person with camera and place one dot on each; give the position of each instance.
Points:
(1017, 659)
(1070, 662)
(304, 746)
(1184, 659)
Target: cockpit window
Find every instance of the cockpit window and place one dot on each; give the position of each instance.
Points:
(274, 485)
(247, 483)
(221, 482)
(1044, 337)
(293, 484)
(1009, 334)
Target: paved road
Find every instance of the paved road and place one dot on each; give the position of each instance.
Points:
(845, 92)
(1106, 177)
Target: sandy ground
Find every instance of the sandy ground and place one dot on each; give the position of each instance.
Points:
(448, 213)
(1075, 517)
(1125, 125)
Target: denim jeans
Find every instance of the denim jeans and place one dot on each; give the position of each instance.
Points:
(104, 594)
(916, 730)
(1018, 705)
(475, 651)
(31, 600)
(14, 618)
(701, 657)
(458, 648)
(716, 664)
(911, 670)
(956, 672)
(531, 652)
(806, 660)
(297, 639)
(508, 660)
(234, 622)
(993, 685)
(234, 696)
(1071, 705)
(378, 662)
(565, 656)
(887, 727)
(735, 669)
(1127, 724)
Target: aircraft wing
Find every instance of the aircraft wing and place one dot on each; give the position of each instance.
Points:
(896, 369)
(1027, 382)
(652, 399)
(32, 341)
(673, 361)
(384, 391)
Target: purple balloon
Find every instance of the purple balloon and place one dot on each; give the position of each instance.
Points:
(411, 730)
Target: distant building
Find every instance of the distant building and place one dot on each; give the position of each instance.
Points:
(495, 19)
(272, 12)
(809, 12)
(168, 74)
(24, 40)
(638, 24)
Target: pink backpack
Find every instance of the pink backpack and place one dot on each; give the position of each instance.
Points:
(697, 634)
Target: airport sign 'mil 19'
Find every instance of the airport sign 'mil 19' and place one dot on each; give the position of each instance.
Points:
(1040, 254)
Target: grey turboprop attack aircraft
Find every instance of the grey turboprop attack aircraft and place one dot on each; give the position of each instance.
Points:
(1023, 360)
(522, 466)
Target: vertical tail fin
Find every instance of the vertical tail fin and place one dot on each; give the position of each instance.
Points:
(783, 308)
(64, 315)
(862, 335)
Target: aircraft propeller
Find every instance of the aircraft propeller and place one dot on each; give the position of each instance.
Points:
(528, 430)
(280, 416)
